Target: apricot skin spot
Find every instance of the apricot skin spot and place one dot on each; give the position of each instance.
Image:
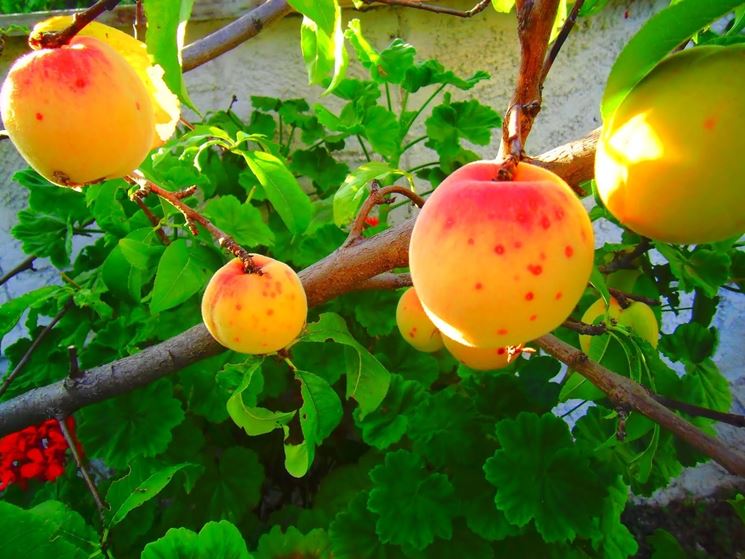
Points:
(478, 286)
(558, 295)
(529, 296)
(499, 249)
(502, 332)
(545, 223)
(535, 269)
(500, 351)
(568, 251)
(39, 116)
(533, 317)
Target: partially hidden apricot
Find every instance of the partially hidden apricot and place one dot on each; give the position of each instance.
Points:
(257, 312)
(165, 104)
(637, 317)
(500, 263)
(78, 114)
(669, 161)
(479, 358)
(414, 324)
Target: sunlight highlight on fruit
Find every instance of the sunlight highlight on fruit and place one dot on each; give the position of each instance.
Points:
(414, 324)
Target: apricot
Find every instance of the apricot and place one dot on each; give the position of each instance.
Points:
(257, 312)
(78, 114)
(414, 324)
(669, 160)
(478, 358)
(637, 317)
(499, 263)
(165, 104)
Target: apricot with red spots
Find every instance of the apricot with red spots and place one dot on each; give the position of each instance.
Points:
(669, 161)
(496, 263)
(255, 312)
(479, 358)
(414, 324)
(78, 114)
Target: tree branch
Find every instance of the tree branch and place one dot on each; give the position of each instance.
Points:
(56, 39)
(228, 37)
(27, 264)
(698, 411)
(624, 259)
(338, 273)
(418, 5)
(624, 392)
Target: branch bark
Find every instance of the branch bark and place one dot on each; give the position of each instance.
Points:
(344, 270)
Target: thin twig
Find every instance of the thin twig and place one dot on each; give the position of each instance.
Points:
(584, 328)
(624, 299)
(624, 259)
(157, 225)
(623, 391)
(56, 39)
(418, 5)
(560, 39)
(71, 443)
(74, 372)
(193, 217)
(140, 22)
(29, 352)
(378, 196)
(27, 264)
(698, 411)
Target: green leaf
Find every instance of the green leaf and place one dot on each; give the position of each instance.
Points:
(12, 311)
(665, 546)
(431, 72)
(243, 222)
(382, 130)
(215, 540)
(451, 122)
(428, 512)
(704, 385)
(537, 471)
(49, 199)
(690, 342)
(367, 379)
(352, 534)
(615, 540)
(282, 189)
(48, 531)
(166, 23)
(104, 201)
(44, 235)
(254, 420)
(139, 494)
(353, 191)
(293, 544)
(657, 37)
(317, 164)
(503, 6)
(703, 268)
(183, 270)
(136, 424)
(476, 498)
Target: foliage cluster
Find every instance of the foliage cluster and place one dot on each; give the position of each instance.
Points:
(353, 445)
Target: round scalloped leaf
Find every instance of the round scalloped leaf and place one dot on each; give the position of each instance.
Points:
(165, 103)
(428, 503)
(293, 543)
(215, 539)
(537, 471)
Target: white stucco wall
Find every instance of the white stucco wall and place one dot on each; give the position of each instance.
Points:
(271, 64)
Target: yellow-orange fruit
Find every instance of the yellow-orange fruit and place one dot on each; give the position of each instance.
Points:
(414, 324)
(478, 358)
(595, 310)
(637, 317)
(78, 114)
(256, 313)
(166, 105)
(669, 161)
(499, 263)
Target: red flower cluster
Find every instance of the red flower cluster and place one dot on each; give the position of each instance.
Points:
(35, 452)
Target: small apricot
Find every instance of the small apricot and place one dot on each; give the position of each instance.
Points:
(255, 312)
(637, 317)
(414, 324)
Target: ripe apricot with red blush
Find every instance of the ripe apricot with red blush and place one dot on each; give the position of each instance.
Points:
(414, 324)
(497, 263)
(255, 312)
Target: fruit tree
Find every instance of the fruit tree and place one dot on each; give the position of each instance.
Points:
(258, 353)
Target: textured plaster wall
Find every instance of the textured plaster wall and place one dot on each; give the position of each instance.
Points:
(271, 65)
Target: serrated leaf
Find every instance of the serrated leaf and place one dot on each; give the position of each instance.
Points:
(352, 534)
(353, 191)
(537, 471)
(136, 424)
(105, 205)
(615, 540)
(367, 379)
(44, 235)
(450, 122)
(282, 189)
(140, 494)
(659, 35)
(664, 545)
(703, 268)
(215, 540)
(705, 385)
(183, 270)
(431, 72)
(243, 222)
(12, 311)
(690, 342)
(167, 24)
(275, 544)
(382, 130)
(428, 496)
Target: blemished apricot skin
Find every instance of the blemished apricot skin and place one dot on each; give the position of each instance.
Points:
(255, 313)
(669, 161)
(499, 263)
(478, 358)
(78, 114)
(414, 324)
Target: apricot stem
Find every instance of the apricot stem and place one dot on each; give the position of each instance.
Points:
(417, 4)
(191, 216)
(377, 197)
(584, 328)
(56, 39)
(27, 264)
(157, 226)
(624, 260)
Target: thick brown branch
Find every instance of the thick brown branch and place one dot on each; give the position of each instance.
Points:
(336, 274)
(27, 264)
(584, 328)
(626, 393)
(233, 34)
(418, 5)
(56, 39)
